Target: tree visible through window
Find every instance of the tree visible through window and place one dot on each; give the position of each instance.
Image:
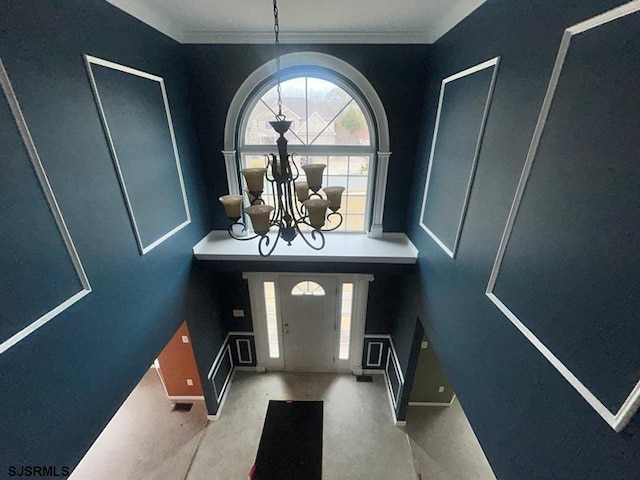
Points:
(329, 125)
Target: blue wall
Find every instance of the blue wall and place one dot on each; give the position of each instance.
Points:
(61, 384)
(530, 421)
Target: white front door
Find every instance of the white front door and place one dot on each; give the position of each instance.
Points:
(308, 322)
(309, 316)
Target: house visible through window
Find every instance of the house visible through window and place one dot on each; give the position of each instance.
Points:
(330, 125)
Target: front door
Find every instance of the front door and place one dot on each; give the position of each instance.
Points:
(309, 316)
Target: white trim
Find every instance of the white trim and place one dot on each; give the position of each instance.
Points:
(392, 248)
(379, 362)
(220, 353)
(377, 335)
(290, 37)
(50, 197)
(247, 369)
(231, 169)
(433, 404)
(492, 63)
(258, 317)
(223, 390)
(89, 60)
(185, 398)
(373, 371)
(619, 419)
(241, 334)
(363, 89)
(225, 394)
(379, 194)
(240, 360)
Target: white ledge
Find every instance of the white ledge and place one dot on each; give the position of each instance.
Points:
(394, 248)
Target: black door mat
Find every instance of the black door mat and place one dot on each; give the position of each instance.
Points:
(364, 378)
(291, 443)
(182, 407)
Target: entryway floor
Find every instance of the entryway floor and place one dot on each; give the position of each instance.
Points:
(360, 440)
(146, 440)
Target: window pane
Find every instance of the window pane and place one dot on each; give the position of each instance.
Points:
(272, 319)
(308, 288)
(345, 320)
(323, 115)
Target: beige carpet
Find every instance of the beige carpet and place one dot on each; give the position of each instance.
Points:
(145, 439)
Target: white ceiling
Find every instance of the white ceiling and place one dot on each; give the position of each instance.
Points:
(301, 21)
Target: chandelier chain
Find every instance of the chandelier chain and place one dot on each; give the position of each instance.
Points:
(276, 30)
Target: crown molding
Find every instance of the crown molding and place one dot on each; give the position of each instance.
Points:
(308, 37)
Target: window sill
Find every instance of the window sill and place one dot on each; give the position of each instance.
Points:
(391, 248)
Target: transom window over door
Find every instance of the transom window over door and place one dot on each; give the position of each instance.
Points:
(329, 126)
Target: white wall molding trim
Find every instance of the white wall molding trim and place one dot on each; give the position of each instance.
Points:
(239, 351)
(309, 37)
(89, 61)
(50, 197)
(617, 420)
(377, 363)
(492, 63)
(227, 380)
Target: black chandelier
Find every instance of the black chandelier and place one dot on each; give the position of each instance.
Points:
(295, 203)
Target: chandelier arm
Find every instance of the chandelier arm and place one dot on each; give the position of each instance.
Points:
(268, 166)
(297, 175)
(314, 234)
(244, 229)
(265, 240)
(337, 226)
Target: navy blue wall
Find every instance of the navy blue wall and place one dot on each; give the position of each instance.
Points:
(397, 72)
(530, 421)
(61, 385)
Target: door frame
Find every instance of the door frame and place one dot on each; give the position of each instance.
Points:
(259, 319)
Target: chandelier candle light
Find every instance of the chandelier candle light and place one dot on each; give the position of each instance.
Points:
(295, 203)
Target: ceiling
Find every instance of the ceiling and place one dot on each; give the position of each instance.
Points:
(301, 21)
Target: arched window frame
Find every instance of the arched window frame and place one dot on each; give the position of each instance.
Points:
(360, 86)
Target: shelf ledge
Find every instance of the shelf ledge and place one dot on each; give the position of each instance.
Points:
(391, 248)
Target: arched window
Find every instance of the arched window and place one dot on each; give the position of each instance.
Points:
(330, 125)
(338, 120)
(308, 288)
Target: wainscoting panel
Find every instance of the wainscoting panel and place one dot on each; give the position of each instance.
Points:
(146, 160)
(567, 270)
(243, 349)
(40, 271)
(461, 116)
(222, 374)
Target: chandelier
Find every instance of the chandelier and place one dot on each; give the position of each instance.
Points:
(297, 208)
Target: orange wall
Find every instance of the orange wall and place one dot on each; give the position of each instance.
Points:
(177, 364)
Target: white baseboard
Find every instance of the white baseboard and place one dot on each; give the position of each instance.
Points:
(212, 418)
(372, 372)
(225, 394)
(400, 423)
(247, 369)
(432, 404)
(185, 398)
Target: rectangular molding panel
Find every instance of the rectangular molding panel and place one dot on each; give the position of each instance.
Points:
(135, 114)
(567, 269)
(463, 106)
(40, 271)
